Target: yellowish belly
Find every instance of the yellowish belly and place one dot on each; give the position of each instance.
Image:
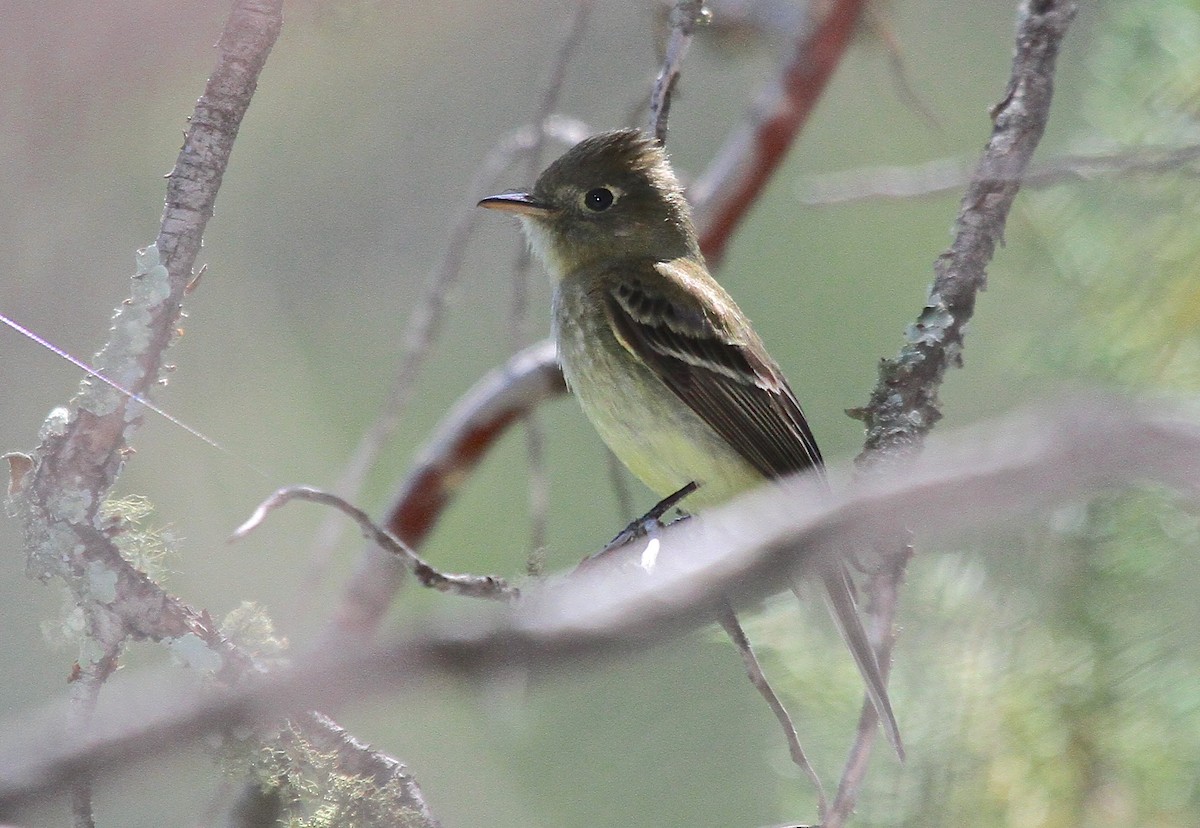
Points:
(662, 441)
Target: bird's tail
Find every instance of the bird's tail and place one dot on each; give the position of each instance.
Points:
(841, 604)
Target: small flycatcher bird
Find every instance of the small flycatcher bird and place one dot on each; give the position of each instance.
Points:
(663, 362)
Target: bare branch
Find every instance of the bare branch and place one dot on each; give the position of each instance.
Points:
(748, 549)
(685, 16)
(85, 692)
(733, 628)
(945, 175)
(743, 166)
(904, 407)
(470, 586)
(472, 427)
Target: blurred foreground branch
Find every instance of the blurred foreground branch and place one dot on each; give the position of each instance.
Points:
(746, 550)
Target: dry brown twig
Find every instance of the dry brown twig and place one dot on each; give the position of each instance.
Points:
(468, 586)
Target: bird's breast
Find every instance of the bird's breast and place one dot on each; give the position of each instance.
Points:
(650, 429)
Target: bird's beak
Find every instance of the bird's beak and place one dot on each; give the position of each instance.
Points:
(523, 204)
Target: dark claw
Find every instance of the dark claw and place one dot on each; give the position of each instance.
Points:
(645, 526)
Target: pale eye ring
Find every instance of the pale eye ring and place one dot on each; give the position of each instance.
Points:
(599, 199)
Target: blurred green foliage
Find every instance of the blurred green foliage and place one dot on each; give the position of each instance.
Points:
(1050, 676)
(1047, 674)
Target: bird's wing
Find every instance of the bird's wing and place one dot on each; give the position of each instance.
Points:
(719, 370)
(722, 372)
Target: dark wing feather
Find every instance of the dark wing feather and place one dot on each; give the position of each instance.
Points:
(738, 392)
(741, 394)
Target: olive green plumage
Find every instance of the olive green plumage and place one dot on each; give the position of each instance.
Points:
(664, 363)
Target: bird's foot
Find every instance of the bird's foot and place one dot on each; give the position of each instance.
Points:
(651, 522)
(645, 526)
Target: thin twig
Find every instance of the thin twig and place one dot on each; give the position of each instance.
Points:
(685, 16)
(469, 586)
(944, 175)
(735, 179)
(876, 19)
(733, 628)
(86, 684)
(883, 590)
(474, 424)
(425, 322)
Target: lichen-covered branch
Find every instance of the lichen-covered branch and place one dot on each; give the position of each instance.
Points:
(84, 446)
(59, 490)
(904, 405)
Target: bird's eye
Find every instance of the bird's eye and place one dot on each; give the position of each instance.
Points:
(598, 199)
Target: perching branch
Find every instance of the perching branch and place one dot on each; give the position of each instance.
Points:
(748, 549)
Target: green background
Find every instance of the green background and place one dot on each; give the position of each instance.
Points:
(369, 122)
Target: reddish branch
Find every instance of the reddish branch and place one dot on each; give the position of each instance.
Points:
(472, 427)
(752, 154)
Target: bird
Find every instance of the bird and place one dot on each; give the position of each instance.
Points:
(664, 364)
